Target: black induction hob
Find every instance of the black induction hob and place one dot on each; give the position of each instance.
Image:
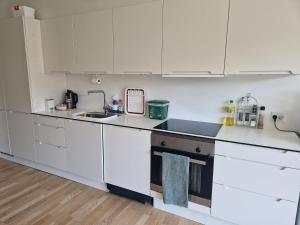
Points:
(190, 127)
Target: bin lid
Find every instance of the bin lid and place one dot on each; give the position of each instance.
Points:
(158, 102)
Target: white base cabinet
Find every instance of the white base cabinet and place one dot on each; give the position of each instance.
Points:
(127, 158)
(246, 208)
(4, 138)
(84, 149)
(255, 185)
(21, 135)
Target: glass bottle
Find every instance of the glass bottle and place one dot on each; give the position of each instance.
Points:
(230, 110)
(261, 117)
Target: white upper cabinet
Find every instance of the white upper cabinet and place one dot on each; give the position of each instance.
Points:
(194, 37)
(93, 41)
(58, 44)
(16, 76)
(263, 37)
(138, 38)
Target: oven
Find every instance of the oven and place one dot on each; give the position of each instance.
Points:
(201, 154)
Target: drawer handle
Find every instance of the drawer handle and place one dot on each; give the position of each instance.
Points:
(283, 168)
(284, 152)
(278, 199)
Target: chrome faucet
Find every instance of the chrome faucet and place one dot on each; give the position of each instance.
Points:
(104, 98)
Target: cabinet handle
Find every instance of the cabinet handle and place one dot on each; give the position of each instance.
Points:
(285, 152)
(138, 72)
(267, 72)
(192, 72)
(278, 200)
(95, 72)
(60, 71)
(283, 168)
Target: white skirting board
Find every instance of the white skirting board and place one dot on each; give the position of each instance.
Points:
(47, 169)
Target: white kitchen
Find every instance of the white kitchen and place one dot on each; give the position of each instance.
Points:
(149, 112)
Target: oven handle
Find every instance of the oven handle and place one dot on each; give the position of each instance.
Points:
(199, 162)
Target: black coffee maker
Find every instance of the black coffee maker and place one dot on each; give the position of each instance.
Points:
(71, 99)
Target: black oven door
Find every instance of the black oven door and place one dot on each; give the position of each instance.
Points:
(200, 174)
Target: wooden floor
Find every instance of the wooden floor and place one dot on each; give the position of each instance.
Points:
(29, 196)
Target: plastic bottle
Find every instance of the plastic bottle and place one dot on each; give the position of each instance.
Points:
(240, 112)
(261, 117)
(230, 110)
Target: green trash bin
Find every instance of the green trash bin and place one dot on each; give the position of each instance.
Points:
(158, 109)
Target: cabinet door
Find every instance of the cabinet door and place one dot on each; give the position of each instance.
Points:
(16, 81)
(194, 36)
(21, 135)
(93, 41)
(4, 139)
(246, 208)
(138, 38)
(2, 101)
(58, 46)
(127, 158)
(84, 149)
(260, 41)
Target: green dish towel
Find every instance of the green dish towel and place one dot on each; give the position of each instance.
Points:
(175, 179)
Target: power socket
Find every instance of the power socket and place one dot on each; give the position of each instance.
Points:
(280, 116)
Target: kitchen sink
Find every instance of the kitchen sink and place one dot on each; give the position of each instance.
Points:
(99, 115)
(95, 115)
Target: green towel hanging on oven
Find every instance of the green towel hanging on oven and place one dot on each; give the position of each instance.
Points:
(175, 179)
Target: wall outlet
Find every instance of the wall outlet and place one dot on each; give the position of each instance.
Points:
(279, 115)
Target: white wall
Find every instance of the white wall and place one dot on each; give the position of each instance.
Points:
(200, 98)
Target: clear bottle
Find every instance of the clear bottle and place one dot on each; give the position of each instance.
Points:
(247, 112)
(240, 112)
(261, 117)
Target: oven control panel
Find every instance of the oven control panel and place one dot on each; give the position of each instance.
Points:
(201, 146)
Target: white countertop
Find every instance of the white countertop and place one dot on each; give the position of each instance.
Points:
(243, 135)
(138, 122)
(264, 137)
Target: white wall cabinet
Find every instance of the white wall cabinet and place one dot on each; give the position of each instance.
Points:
(4, 138)
(138, 38)
(127, 158)
(58, 44)
(262, 42)
(93, 42)
(194, 37)
(25, 85)
(16, 80)
(21, 135)
(84, 149)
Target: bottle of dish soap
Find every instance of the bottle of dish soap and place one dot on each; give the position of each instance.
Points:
(230, 110)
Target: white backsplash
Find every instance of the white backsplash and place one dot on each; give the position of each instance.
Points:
(199, 98)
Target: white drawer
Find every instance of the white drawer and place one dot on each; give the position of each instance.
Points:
(52, 156)
(275, 181)
(259, 154)
(49, 121)
(50, 135)
(245, 208)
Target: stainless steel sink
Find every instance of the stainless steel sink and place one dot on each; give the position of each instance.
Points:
(97, 115)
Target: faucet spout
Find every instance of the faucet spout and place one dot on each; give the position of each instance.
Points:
(104, 98)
